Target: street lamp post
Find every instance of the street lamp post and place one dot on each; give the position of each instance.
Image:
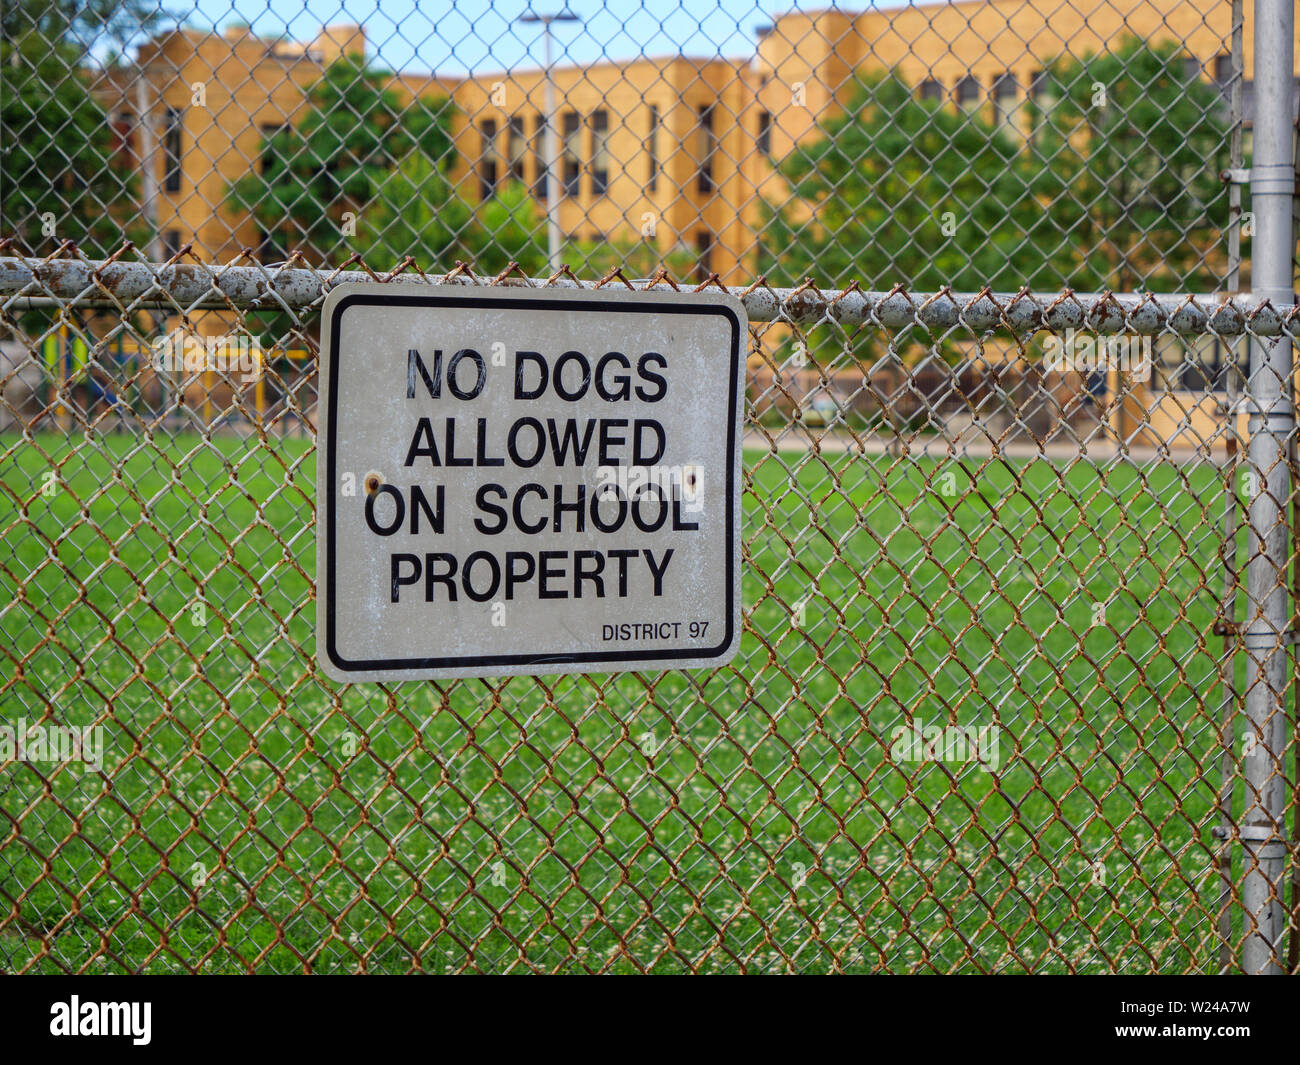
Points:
(549, 147)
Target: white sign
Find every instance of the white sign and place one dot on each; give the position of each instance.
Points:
(524, 481)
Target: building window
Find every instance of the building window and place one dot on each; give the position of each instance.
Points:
(1044, 96)
(765, 134)
(599, 152)
(267, 157)
(652, 149)
(487, 167)
(931, 90)
(706, 145)
(968, 93)
(1006, 102)
(1223, 69)
(171, 243)
(172, 150)
(572, 168)
(539, 157)
(270, 249)
(124, 129)
(703, 254)
(515, 147)
(1191, 68)
(1205, 364)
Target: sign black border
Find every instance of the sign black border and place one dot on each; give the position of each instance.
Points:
(515, 303)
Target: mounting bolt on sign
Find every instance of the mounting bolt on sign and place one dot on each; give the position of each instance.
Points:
(550, 481)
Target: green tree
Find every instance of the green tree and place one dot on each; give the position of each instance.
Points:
(508, 227)
(72, 21)
(635, 258)
(901, 190)
(418, 212)
(414, 209)
(338, 158)
(1127, 151)
(60, 181)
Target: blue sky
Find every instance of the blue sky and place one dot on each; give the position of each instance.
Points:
(482, 36)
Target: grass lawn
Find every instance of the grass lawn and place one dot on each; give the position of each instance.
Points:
(251, 815)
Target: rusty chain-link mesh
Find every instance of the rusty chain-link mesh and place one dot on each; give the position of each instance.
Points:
(987, 714)
(1005, 562)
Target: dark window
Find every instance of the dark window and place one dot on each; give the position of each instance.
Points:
(515, 147)
(171, 243)
(1006, 102)
(124, 129)
(652, 149)
(172, 150)
(765, 133)
(487, 167)
(704, 254)
(539, 157)
(968, 92)
(1223, 69)
(599, 152)
(1044, 94)
(931, 90)
(1207, 365)
(267, 158)
(572, 169)
(1191, 68)
(707, 143)
(270, 248)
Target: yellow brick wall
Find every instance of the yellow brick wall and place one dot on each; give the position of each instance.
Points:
(801, 75)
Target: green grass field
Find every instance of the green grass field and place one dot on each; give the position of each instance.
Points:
(251, 815)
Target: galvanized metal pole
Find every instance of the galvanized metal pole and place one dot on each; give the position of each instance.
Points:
(1272, 423)
(1228, 698)
(148, 163)
(552, 180)
(550, 151)
(144, 104)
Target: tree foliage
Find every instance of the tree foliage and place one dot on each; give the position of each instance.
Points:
(900, 190)
(358, 150)
(61, 181)
(338, 158)
(1127, 153)
(1111, 183)
(417, 212)
(635, 258)
(80, 21)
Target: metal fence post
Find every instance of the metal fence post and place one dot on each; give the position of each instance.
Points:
(1271, 424)
(1230, 696)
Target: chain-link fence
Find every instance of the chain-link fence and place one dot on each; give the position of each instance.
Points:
(1012, 692)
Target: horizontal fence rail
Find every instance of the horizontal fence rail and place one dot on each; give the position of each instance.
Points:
(73, 282)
